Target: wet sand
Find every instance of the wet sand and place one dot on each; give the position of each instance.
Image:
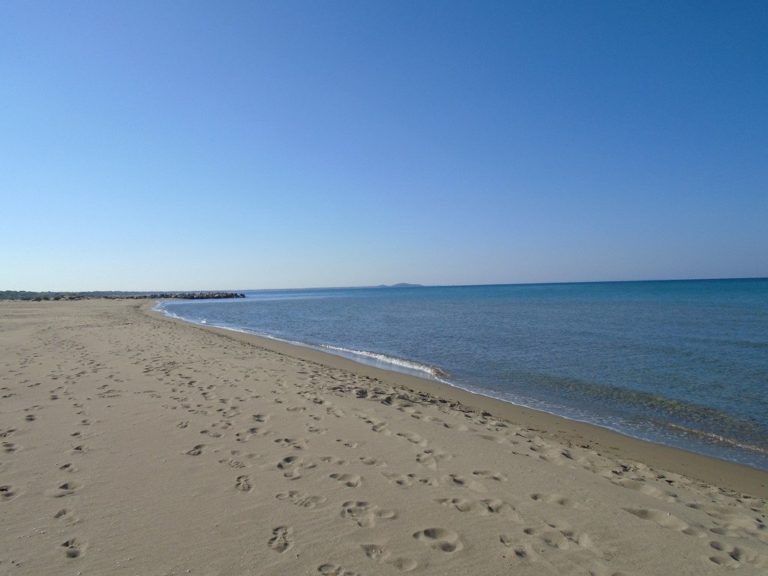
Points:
(136, 444)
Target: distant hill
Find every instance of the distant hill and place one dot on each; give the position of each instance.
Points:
(400, 285)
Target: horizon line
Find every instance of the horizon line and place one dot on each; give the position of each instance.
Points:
(401, 285)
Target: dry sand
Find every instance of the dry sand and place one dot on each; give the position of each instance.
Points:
(133, 444)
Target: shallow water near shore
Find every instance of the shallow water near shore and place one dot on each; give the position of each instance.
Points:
(683, 363)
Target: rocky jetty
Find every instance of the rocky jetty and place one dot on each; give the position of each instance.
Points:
(193, 295)
(40, 296)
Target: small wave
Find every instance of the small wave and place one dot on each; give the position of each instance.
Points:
(717, 438)
(433, 371)
(160, 307)
(644, 404)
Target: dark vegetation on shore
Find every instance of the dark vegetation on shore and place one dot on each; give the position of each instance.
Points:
(40, 296)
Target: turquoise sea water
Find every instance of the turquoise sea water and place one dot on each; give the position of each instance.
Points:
(683, 363)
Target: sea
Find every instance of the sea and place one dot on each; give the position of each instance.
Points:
(680, 363)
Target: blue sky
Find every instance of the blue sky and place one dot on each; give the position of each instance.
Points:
(217, 145)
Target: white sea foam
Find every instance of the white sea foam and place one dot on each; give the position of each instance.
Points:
(401, 363)
(719, 439)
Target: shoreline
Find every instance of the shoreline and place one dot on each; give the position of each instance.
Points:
(723, 473)
(133, 443)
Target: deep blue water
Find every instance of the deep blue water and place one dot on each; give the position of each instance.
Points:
(683, 363)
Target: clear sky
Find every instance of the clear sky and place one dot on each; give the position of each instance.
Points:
(234, 145)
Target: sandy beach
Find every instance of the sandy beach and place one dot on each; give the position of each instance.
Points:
(136, 444)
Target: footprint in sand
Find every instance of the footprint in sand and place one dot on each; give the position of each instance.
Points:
(281, 539)
(243, 483)
(493, 506)
(734, 556)
(460, 504)
(333, 460)
(413, 438)
(296, 444)
(291, 466)
(365, 514)
(734, 524)
(347, 443)
(301, 499)
(375, 552)
(73, 548)
(522, 550)
(289, 462)
(7, 492)
(334, 412)
(490, 474)
(458, 480)
(65, 489)
(349, 480)
(368, 461)
(431, 458)
(666, 520)
(233, 463)
(641, 485)
(380, 554)
(554, 539)
(196, 450)
(483, 507)
(440, 539)
(494, 438)
(407, 480)
(555, 499)
(250, 433)
(562, 537)
(404, 564)
(66, 516)
(377, 425)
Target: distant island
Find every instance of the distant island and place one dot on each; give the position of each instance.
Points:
(400, 285)
(41, 296)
